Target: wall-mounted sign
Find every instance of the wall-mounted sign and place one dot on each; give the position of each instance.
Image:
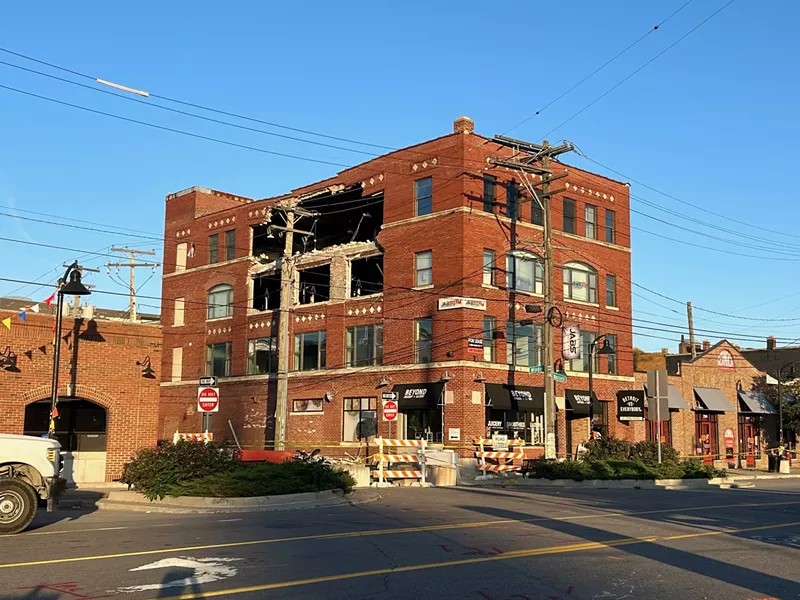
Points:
(475, 345)
(725, 361)
(630, 405)
(458, 302)
(500, 442)
(571, 342)
(453, 434)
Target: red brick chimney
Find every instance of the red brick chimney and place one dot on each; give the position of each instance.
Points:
(771, 342)
(463, 125)
(706, 345)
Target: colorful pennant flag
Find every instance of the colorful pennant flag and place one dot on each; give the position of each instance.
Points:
(7, 322)
(35, 308)
(23, 316)
(49, 299)
(29, 354)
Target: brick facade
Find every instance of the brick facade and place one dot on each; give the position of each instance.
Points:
(455, 232)
(98, 363)
(708, 371)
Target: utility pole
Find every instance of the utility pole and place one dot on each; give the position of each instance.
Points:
(691, 330)
(284, 315)
(524, 161)
(76, 300)
(132, 265)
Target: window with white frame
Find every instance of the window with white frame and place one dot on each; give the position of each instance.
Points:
(220, 302)
(524, 344)
(524, 272)
(488, 266)
(423, 196)
(488, 339)
(262, 356)
(590, 221)
(218, 359)
(309, 351)
(580, 283)
(423, 340)
(423, 268)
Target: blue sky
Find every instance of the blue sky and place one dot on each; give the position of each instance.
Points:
(709, 122)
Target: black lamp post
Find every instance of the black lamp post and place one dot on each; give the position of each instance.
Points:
(73, 287)
(605, 349)
(780, 400)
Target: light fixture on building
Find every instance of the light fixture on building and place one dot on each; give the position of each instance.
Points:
(328, 397)
(148, 372)
(383, 382)
(8, 359)
(446, 377)
(480, 378)
(558, 367)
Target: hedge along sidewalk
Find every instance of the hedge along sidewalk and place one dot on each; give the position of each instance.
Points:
(617, 484)
(136, 502)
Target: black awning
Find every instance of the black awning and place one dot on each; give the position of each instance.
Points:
(412, 396)
(527, 398)
(712, 399)
(524, 398)
(756, 403)
(497, 396)
(578, 402)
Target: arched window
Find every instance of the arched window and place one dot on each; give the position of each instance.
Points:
(220, 302)
(524, 272)
(580, 282)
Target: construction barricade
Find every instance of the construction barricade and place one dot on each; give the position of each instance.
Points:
(502, 461)
(394, 461)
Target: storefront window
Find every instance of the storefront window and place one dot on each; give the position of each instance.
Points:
(600, 420)
(360, 419)
(515, 424)
(424, 424)
(652, 429)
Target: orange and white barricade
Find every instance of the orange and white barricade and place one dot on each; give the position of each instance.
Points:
(397, 460)
(192, 437)
(503, 461)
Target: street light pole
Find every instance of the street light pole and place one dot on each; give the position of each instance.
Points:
(73, 288)
(606, 349)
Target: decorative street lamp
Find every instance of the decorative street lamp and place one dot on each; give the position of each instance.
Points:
(605, 349)
(73, 287)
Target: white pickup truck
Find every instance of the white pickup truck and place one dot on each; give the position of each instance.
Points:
(29, 470)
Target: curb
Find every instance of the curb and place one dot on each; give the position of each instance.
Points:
(134, 502)
(600, 484)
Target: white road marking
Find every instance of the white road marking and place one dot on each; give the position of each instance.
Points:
(63, 531)
(206, 570)
(227, 520)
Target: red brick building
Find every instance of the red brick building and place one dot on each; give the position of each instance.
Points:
(403, 284)
(108, 407)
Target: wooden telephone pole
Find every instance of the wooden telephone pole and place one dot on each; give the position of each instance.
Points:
(535, 159)
(132, 265)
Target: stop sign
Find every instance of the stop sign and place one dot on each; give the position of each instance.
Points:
(207, 399)
(389, 410)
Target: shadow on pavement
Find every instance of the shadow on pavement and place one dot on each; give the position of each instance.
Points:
(72, 506)
(187, 586)
(744, 577)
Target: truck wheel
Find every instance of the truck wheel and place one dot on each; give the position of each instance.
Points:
(17, 505)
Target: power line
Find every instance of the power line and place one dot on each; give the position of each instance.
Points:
(615, 86)
(598, 69)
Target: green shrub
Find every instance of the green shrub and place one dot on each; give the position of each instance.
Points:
(647, 452)
(620, 469)
(268, 479)
(153, 471)
(607, 449)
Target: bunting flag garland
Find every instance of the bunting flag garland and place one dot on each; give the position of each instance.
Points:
(23, 315)
(49, 299)
(35, 308)
(7, 322)
(29, 354)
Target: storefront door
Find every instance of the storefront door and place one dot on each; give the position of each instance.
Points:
(747, 435)
(708, 435)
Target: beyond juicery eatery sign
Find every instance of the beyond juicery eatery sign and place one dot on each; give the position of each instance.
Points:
(523, 395)
(414, 393)
(630, 405)
(582, 399)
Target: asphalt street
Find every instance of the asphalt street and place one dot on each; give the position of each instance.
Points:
(449, 544)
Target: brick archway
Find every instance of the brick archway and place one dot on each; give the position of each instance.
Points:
(80, 390)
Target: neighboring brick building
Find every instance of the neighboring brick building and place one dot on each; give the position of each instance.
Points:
(716, 393)
(409, 259)
(108, 409)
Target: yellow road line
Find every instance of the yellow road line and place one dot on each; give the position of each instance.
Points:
(374, 532)
(470, 561)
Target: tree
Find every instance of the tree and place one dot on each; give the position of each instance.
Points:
(791, 401)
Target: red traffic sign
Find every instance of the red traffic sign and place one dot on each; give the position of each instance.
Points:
(207, 399)
(389, 410)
